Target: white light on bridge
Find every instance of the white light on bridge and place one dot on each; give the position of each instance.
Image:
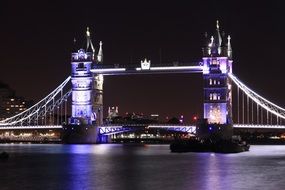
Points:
(32, 127)
(245, 126)
(172, 68)
(177, 68)
(108, 70)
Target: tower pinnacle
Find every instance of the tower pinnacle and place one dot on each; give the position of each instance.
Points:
(100, 53)
(89, 42)
(229, 47)
(87, 32)
(217, 25)
(212, 41)
(218, 38)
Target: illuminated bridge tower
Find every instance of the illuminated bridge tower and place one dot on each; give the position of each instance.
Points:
(81, 79)
(217, 63)
(86, 88)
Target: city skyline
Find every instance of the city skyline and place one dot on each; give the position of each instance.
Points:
(42, 36)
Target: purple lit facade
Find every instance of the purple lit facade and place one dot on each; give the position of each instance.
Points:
(217, 64)
(82, 111)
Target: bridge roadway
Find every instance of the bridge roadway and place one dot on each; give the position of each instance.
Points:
(118, 69)
(114, 129)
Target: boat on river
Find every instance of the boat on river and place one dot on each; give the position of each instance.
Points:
(218, 146)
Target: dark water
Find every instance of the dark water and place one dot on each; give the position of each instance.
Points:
(123, 167)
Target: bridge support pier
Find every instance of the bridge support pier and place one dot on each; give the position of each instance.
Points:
(104, 139)
(80, 134)
(204, 130)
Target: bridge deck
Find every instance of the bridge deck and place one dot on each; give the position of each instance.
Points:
(244, 126)
(117, 69)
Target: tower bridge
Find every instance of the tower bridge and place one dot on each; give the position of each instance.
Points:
(87, 79)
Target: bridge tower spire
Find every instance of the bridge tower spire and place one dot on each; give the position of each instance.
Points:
(217, 64)
(98, 88)
(89, 43)
(229, 47)
(100, 53)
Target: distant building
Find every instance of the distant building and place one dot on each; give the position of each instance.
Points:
(10, 104)
(112, 113)
(137, 116)
(154, 117)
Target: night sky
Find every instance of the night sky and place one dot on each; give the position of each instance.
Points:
(36, 39)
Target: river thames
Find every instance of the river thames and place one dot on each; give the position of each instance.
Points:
(123, 167)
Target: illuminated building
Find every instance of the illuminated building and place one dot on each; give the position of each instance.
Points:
(10, 104)
(154, 117)
(217, 64)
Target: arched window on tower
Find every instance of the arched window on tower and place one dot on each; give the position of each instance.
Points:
(215, 97)
(219, 97)
(80, 65)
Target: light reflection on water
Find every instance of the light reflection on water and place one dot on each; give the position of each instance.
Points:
(144, 167)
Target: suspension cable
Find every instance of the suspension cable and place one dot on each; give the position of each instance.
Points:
(238, 104)
(262, 102)
(247, 112)
(242, 108)
(252, 112)
(32, 112)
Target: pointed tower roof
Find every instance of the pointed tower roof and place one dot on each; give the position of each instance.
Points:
(89, 41)
(100, 53)
(229, 42)
(229, 47)
(218, 37)
(218, 44)
(212, 41)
